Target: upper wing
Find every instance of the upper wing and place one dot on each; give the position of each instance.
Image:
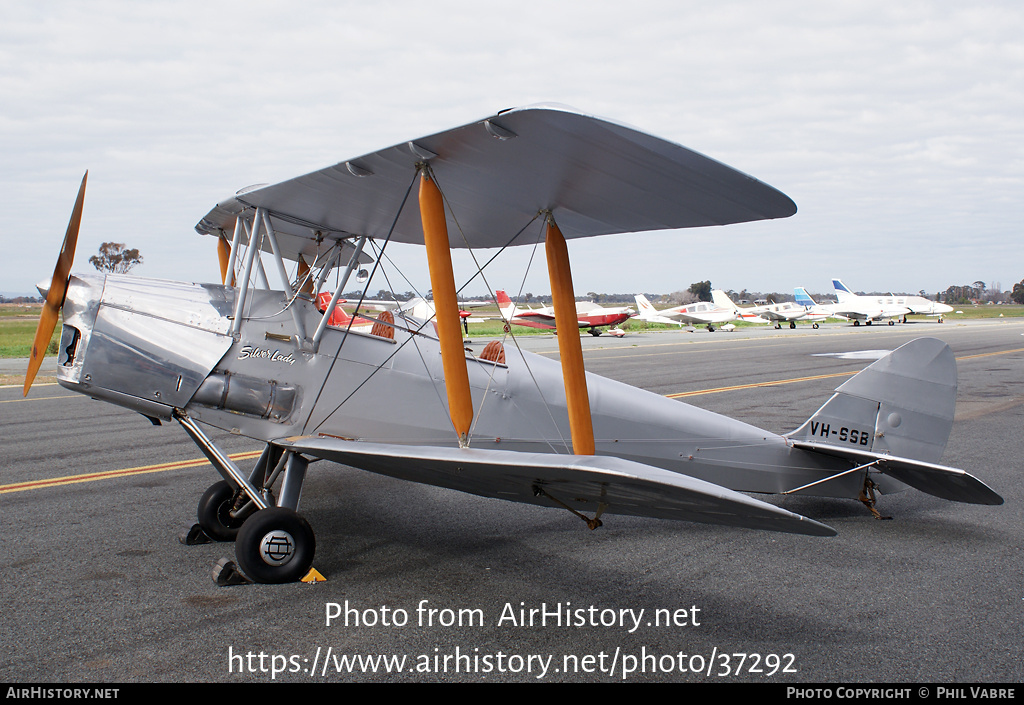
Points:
(596, 177)
(585, 483)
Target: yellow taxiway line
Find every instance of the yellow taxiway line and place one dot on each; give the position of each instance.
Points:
(773, 383)
(93, 476)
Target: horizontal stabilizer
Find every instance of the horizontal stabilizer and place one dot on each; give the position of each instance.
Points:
(938, 480)
(593, 484)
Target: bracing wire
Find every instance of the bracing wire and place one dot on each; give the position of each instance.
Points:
(362, 297)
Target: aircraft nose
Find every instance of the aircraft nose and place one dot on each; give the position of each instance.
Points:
(43, 287)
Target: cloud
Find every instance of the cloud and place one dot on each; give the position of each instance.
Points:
(895, 127)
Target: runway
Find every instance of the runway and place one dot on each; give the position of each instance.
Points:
(99, 589)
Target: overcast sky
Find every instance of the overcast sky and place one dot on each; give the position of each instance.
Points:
(896, 127)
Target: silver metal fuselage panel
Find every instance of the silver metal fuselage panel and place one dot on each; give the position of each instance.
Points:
(143, 343)
(392, 391)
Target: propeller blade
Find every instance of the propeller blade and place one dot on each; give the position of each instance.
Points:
(58, 288)
(224, 252)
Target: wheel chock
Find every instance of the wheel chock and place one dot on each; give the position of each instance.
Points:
(313, 576)
(225, 573)
(195, 536)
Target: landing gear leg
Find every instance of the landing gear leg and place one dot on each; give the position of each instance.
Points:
(867, 496)
(224, 505)
(273, 543)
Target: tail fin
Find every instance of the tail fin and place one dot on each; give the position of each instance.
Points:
(901, 404)
(843, 292)
(644, 306)
(505, 305)
(722, 300)
(896, 415)
(417, 308)
(803, 298)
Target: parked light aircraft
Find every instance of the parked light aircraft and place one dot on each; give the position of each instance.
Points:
(812, 307)
(700, 313)
(914, 304)
(861, 308)
(588, 315)
(408, 400)
(769, 313)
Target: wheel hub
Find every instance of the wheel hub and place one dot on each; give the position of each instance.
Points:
(277, 547)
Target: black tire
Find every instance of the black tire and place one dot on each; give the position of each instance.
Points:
(213, 510)
(275, 545)
(792, 325)
(814, 326)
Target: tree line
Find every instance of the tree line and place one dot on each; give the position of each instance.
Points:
(116, 257)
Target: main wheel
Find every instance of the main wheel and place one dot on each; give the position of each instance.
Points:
(814, 326)
(792, 325)
(214, 512)
(275, 545)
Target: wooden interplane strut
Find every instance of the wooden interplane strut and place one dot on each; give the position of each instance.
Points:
(446, 306)
(569, 348)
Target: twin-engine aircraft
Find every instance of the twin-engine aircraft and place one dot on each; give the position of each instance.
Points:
(912, 304)
(407, 399)
(865, 308)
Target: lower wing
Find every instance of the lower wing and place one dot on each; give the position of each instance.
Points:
(600, 484)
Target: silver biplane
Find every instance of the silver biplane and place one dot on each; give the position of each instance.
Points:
(406, 399)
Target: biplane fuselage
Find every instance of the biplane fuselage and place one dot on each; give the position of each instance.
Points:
(154, 346)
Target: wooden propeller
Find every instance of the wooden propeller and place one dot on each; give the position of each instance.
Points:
(224, 254)
(58, 289)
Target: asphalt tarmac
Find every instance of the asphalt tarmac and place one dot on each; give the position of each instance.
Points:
(439, 586)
